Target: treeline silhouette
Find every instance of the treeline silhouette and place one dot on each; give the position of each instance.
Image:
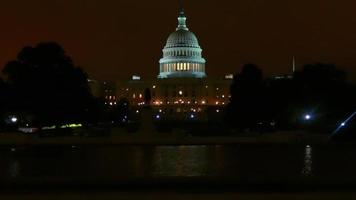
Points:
(318, 97)
(43, 85)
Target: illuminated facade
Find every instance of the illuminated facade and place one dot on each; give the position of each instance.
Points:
(177, 91)
(182, 85)
(182, 55)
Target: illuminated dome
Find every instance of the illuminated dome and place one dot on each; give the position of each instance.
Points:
(182, 38)
(182, 55)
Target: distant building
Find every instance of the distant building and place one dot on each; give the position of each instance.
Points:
(104, 90)
(182, 84)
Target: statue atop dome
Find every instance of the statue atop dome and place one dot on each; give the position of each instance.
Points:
(182, 20)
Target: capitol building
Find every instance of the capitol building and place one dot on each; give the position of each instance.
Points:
(182, 55)
(182, 84)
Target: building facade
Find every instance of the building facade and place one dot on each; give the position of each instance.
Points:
(182, 84)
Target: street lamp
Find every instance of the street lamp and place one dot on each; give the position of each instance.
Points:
(13, 119)
(307, 117)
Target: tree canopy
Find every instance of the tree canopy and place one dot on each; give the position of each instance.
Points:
(44, 81)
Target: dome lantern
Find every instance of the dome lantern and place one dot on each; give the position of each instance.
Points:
(182, 21)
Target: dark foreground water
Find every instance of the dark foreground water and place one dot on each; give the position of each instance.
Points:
(240, 164)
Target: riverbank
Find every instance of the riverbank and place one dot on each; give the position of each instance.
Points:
(120, 137)
(173, 195)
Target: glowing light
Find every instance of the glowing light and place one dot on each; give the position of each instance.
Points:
(217, 103)
(158, 116)
(217, 110)
(136, 78)
(71, 126)
(180, 92)
(192, 116)
(307, 117)
(48, 127)
(229, 76)
(203, 102)
(14, 119)
(153, 86)
(343, 124)
(137, 111)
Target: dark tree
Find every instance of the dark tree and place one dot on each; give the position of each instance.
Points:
(324, 90)
(44, 81)
(246, 107)
(147, 96)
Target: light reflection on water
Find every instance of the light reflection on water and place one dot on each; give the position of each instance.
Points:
(308, 161)
(180, 161)
(14, 168)
(231, 161)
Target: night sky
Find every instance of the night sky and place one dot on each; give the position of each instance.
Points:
(113, 39)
